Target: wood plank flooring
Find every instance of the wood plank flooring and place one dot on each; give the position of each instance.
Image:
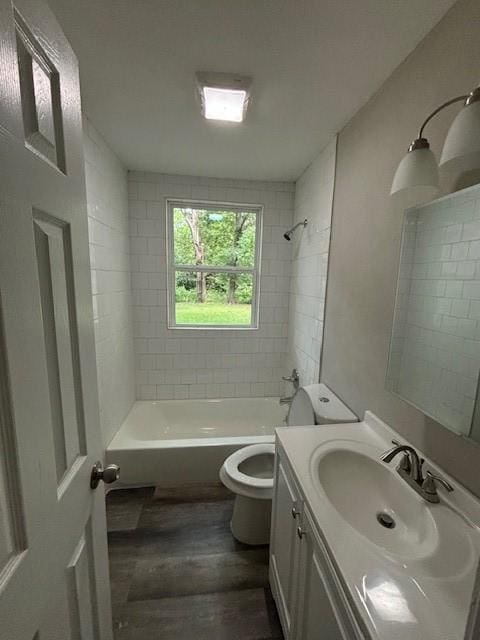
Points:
(177, 573)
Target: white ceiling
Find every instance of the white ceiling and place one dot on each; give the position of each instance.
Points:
(314, 64)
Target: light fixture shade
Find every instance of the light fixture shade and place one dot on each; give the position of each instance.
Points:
(223, 96)
(416, 180)
(224, 104)
(461, 151)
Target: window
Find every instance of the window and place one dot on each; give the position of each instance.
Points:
(213, 264)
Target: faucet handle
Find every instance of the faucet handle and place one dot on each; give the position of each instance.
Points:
(405, 463)
(429, 486)
(294, 378)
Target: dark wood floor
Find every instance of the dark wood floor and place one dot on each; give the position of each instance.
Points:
(178, 574)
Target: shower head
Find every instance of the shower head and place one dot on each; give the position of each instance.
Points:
(288, 234)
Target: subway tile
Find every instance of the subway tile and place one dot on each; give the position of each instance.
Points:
(109, 233)
(164, 391)
(156, 211)
(474, 250)
(453, 233)
(471, 231)
(137, 209)
(460, 308)
(471, 290)
(146, 191)
(461, 250)
(205, 362)
(197, 391)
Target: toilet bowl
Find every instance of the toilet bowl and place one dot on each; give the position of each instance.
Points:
(248, 472)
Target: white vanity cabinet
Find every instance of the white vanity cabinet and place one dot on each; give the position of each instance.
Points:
(284, 543)
(309, 596)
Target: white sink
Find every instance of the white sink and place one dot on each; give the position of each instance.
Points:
(412, 581)
(377, 503)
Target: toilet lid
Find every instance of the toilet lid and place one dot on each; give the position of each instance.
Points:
(233, 461)
(301, 410)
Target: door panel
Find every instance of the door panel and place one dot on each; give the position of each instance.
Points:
(40, 96)
(54, 582)
(284, 542)
(12, 524)
(317, 617)
(322, 613)
(79, 575)
(55, 274)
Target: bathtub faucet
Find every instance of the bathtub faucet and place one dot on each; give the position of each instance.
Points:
(294, 378)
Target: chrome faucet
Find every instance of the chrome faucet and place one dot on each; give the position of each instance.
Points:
(410, 469)
(294, 378)
(410, 465)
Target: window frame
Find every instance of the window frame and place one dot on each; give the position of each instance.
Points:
(172, 267)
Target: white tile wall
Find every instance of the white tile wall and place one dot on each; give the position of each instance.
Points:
(106, 182)
(313, 200)
(436, 342)
(180, 363)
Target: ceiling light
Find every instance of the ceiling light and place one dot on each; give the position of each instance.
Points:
(223, 96)
(223, 104)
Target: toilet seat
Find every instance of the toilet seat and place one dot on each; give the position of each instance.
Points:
(241, 483)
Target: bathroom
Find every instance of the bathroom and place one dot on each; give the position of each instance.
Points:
(276, 429)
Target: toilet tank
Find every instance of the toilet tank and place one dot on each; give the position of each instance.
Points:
(317, 404)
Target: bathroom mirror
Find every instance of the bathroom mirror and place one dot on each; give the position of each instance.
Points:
(434, 357)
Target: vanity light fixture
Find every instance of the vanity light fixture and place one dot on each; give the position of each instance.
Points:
(223, 96)
(417, 179)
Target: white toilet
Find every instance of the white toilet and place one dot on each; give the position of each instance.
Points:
(248, 472)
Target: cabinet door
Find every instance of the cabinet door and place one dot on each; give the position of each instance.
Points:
(319, 614)
(284, 543)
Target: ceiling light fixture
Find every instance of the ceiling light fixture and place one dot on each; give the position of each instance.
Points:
(223, 96)
(417, 180)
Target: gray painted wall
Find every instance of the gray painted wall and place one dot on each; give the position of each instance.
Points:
(366, 231)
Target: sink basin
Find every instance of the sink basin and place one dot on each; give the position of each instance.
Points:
(376, 502)
(413, 580)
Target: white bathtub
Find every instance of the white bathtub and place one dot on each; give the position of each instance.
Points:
(182, 441)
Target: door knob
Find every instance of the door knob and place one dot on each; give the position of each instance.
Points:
(110, 474)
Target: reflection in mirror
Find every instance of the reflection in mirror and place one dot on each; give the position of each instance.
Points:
(435, 347)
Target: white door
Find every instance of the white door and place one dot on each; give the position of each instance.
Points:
(53, 556)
